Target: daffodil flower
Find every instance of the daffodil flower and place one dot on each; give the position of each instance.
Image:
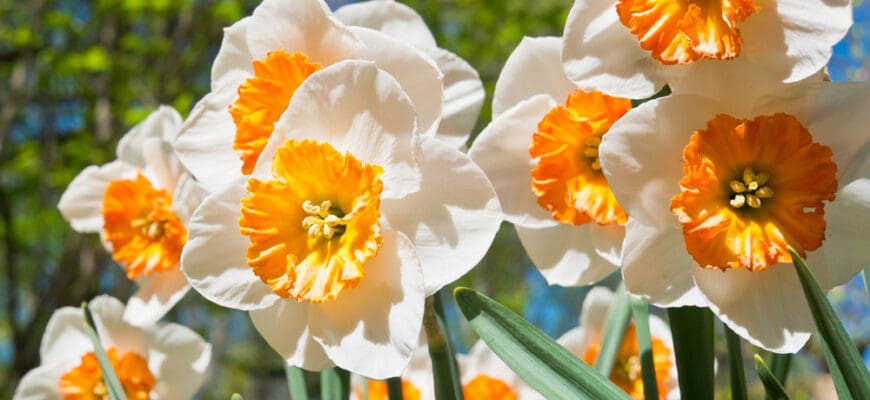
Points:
(262, 61)
(719, 187)
(484, 376)
(463, 90)
(348, 221)
(541, 154)
(632, 48)
(140, 204)
(163, 361)
(585, 340)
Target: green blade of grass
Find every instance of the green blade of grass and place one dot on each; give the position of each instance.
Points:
(735, 366)
(780, 365)
(772, 387)
(334, 384)
(545, 365)
(296, 382)
(394, 388)
(614, 330)
(692, 332)
(445, 372)
(836, 375)
(640, 316)
(110, 379)
(849, 364)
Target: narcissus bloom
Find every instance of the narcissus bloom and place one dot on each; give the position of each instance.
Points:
(541, 153)
(585, 340)
(163, 361)
(263, 60)
(718, 188)
(140, 204)
(484, 376)
(463, 90)
(632, 48)
(349, 220)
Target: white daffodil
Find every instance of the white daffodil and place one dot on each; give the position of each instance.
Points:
(163, 361)
(417, 383)
(718, 188)
(463, 90)
(262, 61)
(140, 204)
(585, 340)
(486, 377)
(349, 220)
(631, 48)
(541, 153)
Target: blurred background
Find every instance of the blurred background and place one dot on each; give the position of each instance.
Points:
(76, 74)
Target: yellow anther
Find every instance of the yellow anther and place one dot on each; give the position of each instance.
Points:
(591, 152)
(593, 141)
(762, 178)
(320, 221)
(737, 186)
(596, 165)
(738, 201)
(752, 185)
(753, 201)
(748, 176)
(764, 193)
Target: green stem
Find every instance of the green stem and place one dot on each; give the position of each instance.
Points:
(640, 313)
(614, 330)
(735, 364)
(445, 372)
(295, 382)
(394, 388)
(692, 332)
(334, 384)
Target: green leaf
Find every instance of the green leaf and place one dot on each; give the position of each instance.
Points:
(113, 385)
(692, 331)
(296, 382)
(445, 372)
(394, 388)
(614, 330)
(236, 396)
(836, 374)
(866, 275)
(772, 386)
(779, 365)
(735, 365)
(640, 315)
(334, 384)
(843, 351)
(534, 356)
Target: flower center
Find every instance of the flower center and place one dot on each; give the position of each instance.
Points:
(728, 211)
(314, 225)
(262, 100)
(626, 368)
(145, 233)
(85, 382)
(750, 189)
(567, 178)
(484, 387)
(378, 390)
(683, 31)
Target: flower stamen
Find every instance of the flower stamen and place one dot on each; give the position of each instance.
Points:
(324, 220)
(750, 190)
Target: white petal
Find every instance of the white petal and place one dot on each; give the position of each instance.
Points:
(848, 226)
(534, 67)
(564, 254)
(163, 166)
(607, 240)
(793, 38)
(157, 294)
(178, 357)
(574, 341)
(373, 328)
(463, 97)
(188, 195)
(82, 202)
(502, 151)
(416, 72)
(304, 26)
(65, 341)
(163, 123)
(40, 383)
(596, 307)
(233, 63)
(205, 143)
(357, 108)
(394, 19)
(113, 330)
(641, 155)
(285, 327)
(452, 220)
(657, 268)
(600, 53)
(766, 308)
(214, 257)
